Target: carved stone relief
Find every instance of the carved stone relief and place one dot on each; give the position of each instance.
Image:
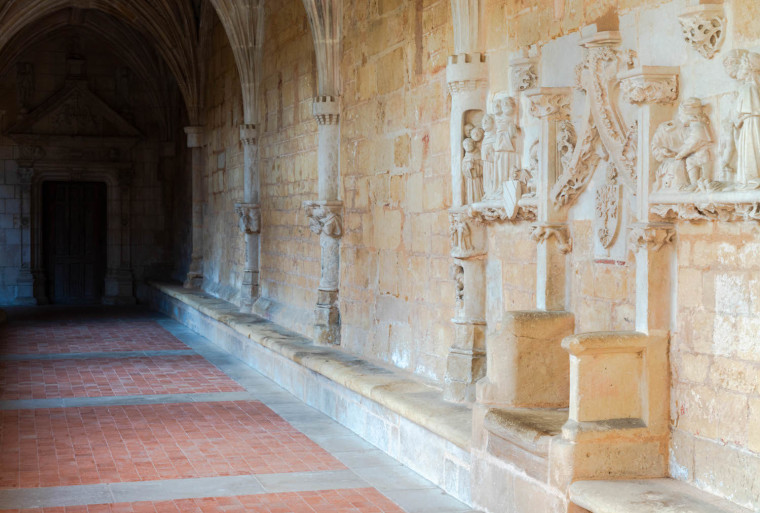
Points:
(742, 155)
(684, 149)
(461, 235)
(607, 208)
(523, 74)
(472, 163)
(704, 28)
(651, 236)
(325, 218)
(250, 218)
(458, 275)
(542, 232)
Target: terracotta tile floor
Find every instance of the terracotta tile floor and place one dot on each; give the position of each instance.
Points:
(102, 377)
(360, 500)
(52, 336)
(107, 444)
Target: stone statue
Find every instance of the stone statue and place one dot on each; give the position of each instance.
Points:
(744, 66)
(472, 168)
(506, 158)
(683, 148)
(488, 157)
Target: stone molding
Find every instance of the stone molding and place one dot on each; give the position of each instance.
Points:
(650, 84)
(466, 72)
(494, 211)
(706, 206)
(542, 233)
(248, 134)
(250, 217)
(325, 19)
(196, 136)
(704, 28)
(325, 217)
(326, 110)
(651, 236)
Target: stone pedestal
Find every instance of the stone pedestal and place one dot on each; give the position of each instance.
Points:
(30, 288)
(250, 226)
(119, 285)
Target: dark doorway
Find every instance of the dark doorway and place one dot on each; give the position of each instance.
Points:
(74, 227)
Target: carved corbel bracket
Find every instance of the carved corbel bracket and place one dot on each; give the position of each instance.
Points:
(704, 28)
(250, 217)
(551, 103)
(248, 134)
(651, 236)
(325, 217)
(542, 233)
(326, 110)
(650, 84)
(523, 74)
(466, 72)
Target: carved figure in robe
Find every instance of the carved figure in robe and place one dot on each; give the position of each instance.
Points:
(505, 150)
(744, 66)
(472, 168)
(487, 149)
(683, 148)
(461, 235)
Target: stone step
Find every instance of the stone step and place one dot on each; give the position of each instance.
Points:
(646, 496)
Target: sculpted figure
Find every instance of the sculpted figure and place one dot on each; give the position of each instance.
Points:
(472, 168)
(744, 66)
(505, 149)
(488, 158)
(683, 147)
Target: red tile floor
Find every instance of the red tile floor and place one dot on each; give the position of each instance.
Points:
(107, 440)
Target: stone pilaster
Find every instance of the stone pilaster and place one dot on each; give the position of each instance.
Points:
(249, 213)
(326, 220)
(30, 285)
(195, 144)
(551, 106)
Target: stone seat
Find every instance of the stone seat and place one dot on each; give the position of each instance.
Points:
(524, 436)
(646, 496)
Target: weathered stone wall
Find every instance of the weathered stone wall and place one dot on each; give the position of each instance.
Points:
(223, 247)
(156, 157)
(288, 167)
(397, 295)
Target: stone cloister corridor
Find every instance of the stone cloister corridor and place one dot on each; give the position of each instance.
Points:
(499, 256)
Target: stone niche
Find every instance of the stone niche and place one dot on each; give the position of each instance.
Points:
(75, 136)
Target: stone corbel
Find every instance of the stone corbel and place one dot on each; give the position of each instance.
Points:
(468, 237)
(704, 28)
(250, 217)
(651, 236)
(523, 73)
(195, 136)
(542, 233)
(650, 84)
(325, 217)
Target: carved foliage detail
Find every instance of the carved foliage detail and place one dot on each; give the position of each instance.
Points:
(250, 218)
(325, 218)
(607, 209)
(704, 30)
(524, 77)
(638, 90)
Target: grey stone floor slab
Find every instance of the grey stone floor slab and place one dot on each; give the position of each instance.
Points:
(55, 496)
(394, 478)
(185, 488)
(426, 501)
(371, 458)
(310, 481)
(100, 354)
(125, 400)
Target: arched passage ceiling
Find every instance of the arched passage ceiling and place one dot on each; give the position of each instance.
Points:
(171, 26)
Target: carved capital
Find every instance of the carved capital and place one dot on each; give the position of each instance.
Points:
(704, 28)
(523, 74)
(542, 233)
(650, 84)
(651, 236)
(250, 217)
(195, 136)
(325, 217)
(466, 72)
(248, 134)
(326, 110)
(549, 102)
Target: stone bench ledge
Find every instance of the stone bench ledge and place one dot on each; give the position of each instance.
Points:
(528, 428)
(647, 496)
(406, 395)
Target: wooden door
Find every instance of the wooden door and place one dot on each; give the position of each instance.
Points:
(74, 227)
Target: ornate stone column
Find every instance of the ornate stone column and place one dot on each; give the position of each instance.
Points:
(326, 219)
(551, 106)
(195, 143)
(30, 285)
(250, 215)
